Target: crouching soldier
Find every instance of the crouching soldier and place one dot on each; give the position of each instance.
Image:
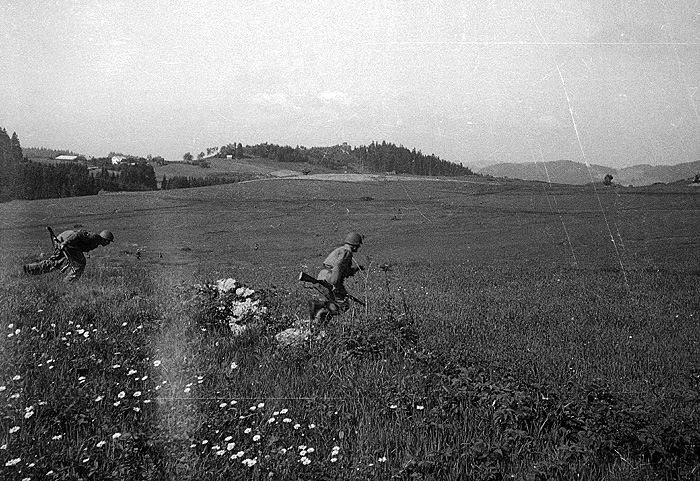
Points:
(336, 268)
(68, 253)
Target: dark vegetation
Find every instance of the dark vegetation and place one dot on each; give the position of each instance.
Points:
(184, 182)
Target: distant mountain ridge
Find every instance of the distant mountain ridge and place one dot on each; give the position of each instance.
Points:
(578, 173)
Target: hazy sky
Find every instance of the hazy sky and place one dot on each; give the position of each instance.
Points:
(612, 82)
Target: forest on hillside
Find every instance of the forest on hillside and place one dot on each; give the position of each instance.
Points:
(375, 157)
(21, 178)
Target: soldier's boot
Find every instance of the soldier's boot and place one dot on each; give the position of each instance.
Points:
(33, 269)
(315, 308)
(36, 268)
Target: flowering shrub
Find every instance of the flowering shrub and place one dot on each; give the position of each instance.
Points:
(229, 303)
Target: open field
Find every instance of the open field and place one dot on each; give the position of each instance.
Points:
(252, 166)
(513, 330)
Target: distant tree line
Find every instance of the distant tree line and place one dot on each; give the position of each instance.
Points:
(183, 182)
(127, 177)
(23, 179)
(278, 153)
(30, 180)
(235, 150)
(387, 157)
(46, 153)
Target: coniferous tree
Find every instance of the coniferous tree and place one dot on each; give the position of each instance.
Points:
(16, 148)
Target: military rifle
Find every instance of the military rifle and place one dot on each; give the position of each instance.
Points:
(304, 277)
(57, 247)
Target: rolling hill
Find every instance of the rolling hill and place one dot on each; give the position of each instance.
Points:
(578, 173)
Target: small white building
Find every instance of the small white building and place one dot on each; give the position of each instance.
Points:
(117, 159)
(67, 157)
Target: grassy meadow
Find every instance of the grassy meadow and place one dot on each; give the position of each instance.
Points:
(253, 166)
(512, 330)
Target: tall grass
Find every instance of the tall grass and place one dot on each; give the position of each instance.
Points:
(517, 373)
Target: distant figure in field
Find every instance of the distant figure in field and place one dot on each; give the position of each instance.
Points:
(336, 268)
(68, 254)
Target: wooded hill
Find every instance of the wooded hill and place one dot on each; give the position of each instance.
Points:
(375, 157)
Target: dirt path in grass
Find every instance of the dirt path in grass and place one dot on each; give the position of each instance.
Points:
(293, 175)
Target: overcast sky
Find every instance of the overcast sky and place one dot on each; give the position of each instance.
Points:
(612, 82)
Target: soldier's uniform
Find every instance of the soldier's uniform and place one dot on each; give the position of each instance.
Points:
(336, 268)
(69, 254)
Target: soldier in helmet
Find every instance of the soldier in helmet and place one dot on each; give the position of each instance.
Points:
(68, 255)
(336, 268)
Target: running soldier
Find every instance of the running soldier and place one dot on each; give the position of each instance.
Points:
(337, 267)
(68, 254)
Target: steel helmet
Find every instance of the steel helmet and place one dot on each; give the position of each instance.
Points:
(354, 239)
(105, 234)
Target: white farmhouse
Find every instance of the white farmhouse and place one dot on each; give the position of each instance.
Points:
(117, 159)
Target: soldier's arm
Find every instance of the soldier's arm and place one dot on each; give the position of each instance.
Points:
(341, 268)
